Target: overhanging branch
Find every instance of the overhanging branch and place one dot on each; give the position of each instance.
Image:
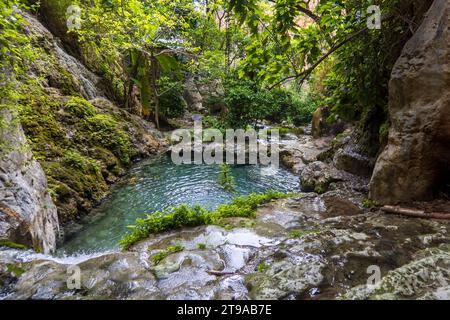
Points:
(305, 74)
(304, 10)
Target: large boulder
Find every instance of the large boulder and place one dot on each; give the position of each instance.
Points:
(192, 96)
(27, 213)
(351, 160)
(317, 177)
(415, 162)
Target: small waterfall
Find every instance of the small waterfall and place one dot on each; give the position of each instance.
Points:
(15, 255)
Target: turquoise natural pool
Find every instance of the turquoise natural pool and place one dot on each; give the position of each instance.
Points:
(157, 184)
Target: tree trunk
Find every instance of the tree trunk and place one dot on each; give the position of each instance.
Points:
(154, 78)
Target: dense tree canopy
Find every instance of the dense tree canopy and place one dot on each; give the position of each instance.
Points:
(286, 56)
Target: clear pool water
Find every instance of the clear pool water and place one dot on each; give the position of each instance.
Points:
(157, 184)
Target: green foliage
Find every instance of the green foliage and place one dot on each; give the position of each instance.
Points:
(12, 245)
(16, 52)
(78, 145)
(304, 106)
(211, 122)
(355, 84)
(15, 269)
(16, 55)
(368, 203)
(201, 246)
(262, 266)
(79, 107)
(158, 257)
(106, 131)
(148, 37)
(171, 100)
(226, 179)
(384, 132)
(284, 131)
(184, 216)
(248, 102)
(87, 165)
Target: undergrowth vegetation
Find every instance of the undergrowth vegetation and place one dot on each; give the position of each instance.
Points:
(226, 179)
(185, 216)
(248, 102)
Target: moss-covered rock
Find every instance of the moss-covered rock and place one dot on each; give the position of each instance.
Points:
(82, 148)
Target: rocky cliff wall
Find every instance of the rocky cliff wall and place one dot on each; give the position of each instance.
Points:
(415, 163)
(28, 215)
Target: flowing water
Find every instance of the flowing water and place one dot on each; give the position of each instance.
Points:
(158, 184)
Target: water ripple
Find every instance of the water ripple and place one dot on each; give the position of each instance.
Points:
(158, 184)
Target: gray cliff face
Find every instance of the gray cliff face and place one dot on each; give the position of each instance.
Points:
(27, 213)
(416, 160)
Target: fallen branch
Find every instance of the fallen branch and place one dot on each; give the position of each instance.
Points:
(416, 213)
(219, 273)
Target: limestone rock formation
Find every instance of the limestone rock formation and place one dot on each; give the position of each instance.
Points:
(416, 161)
(317, 176)
(192, 95)
(351, 160)
(27, 213)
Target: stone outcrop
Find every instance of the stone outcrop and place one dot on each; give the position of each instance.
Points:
(27, 213)
(192, 96)
(200, 95)
(65, 131)
(415, 163)
(351, 160)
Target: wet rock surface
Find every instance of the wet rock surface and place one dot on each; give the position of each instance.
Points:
(296, 152)
(306, 247)
(327, 163)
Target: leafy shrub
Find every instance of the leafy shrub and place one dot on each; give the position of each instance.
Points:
(185, 216)
(304, 106)
(171, 102)
(210, 122)
(226, 179)
(12, 245)
(247, 103)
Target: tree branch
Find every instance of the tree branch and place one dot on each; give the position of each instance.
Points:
(304, 10)
(416, 213)
(305, 74)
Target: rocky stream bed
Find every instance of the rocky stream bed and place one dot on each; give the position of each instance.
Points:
(310, 246)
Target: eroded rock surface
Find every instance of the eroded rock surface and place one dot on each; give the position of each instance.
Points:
(306, 247)
(27, 213)
(416, 160)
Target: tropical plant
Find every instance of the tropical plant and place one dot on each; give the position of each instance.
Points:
(226, 179)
